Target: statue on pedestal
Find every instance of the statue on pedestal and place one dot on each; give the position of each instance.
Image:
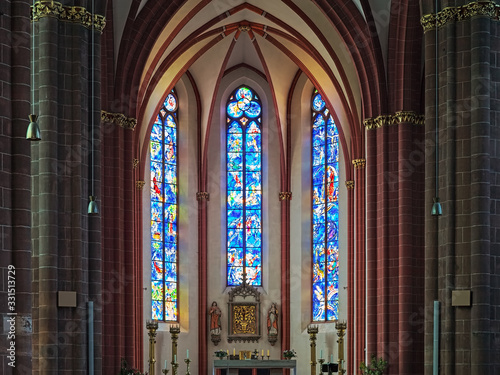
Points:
(215, 322)
(272, 324)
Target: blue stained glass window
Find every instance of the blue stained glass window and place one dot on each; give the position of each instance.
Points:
(325, 212)
(244, 187)
(164, 211)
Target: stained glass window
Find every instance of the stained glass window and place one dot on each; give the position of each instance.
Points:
(244, 187)
(164, 211)
(325, 212)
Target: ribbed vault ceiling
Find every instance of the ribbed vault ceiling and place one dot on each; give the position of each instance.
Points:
(276, 38)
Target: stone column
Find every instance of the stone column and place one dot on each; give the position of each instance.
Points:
(15, 193)
(464, 240)
(65, 239)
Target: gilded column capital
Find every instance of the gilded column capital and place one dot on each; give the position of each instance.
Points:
(455, 14)
(283, 195)
(202, 195)
(349, 184)
(75, 14)
(359, 163)
(119, 119)
(135, 163)
(139, 185)
(400, 117)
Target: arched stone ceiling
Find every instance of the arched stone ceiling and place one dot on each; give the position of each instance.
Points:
(206, 38)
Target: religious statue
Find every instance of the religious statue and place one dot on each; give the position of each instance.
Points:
(272, 324)
(215, 324)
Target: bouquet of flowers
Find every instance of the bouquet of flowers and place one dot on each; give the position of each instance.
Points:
(289, 353)
(220, 353)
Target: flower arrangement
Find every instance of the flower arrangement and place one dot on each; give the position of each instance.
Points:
(126, 370)
(289, 353)
(220, 353)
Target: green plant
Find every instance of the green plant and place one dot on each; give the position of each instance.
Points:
(377, 366)
(126, 370)
(220, 353)
(289, 353)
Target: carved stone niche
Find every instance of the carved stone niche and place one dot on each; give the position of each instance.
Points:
(244, 316)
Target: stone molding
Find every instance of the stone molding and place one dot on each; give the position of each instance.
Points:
(119, 119)
(399, 117)
(62, 12)
(460, 13)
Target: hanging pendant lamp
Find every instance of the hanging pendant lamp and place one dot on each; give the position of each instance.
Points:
(436, 206)
(92, 208)
(33, 131)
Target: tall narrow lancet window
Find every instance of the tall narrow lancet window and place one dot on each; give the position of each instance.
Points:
(325, 212)
(244, 187)
(164, 212)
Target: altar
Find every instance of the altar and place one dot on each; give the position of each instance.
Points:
(233, 367)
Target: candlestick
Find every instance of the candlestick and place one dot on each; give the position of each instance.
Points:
(165, 371)
(174, 367)
(187, 360)
(341, 327)
(174, 334)
(152, 326)
(321, 361)
(312, 330)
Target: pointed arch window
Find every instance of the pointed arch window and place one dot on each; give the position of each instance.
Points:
(325, 212)
(164, 212)
(244, 187)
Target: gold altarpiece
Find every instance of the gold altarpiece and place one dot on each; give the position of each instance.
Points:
(244, 318)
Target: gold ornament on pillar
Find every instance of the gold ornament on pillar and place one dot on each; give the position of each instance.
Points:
(92, 209)
(33, 131)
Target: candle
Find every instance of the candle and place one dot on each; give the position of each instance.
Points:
(165, 364)
(234, 351)
(263, 352)
(268, 352)
(175, 358)
(227, 352)
(331, 358)
(187, 353)
(321, 353)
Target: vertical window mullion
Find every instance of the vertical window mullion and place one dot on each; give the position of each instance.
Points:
(325, 215)
(164, 171)
(244, 179)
